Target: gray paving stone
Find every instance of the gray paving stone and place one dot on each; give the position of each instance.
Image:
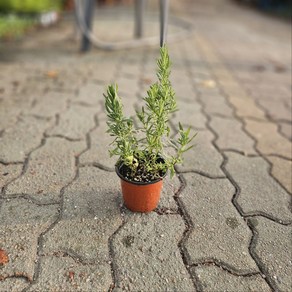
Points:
(11, 105)
(282, 171)
(198, 158)
(50, 168)
(146, 255)
(98, 153)
(276, 109)
(127, 86)
(269, 141)
(213, 278)
(259, 192)
(132, 70)
(90, 94)
(8, 173)
(21, 225)
(63, 274)
(273, 247)
(216, 104)
(74, 123)
(190, 114)
(245, 106)
(16, 142)
(231, 135)
(219, 232)
(169, 190)
(184, 91)
(90, 216)
(50, 104)
(13, 285)
(286, 130)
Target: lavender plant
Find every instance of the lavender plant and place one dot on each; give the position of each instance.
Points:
(145, 159)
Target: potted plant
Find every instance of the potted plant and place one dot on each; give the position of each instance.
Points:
(143, 160)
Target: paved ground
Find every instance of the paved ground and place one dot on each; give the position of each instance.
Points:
(223, 223)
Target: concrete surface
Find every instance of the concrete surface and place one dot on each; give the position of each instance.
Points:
(223, 223)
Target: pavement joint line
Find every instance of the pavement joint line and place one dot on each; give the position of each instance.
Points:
(277, 155)
(35, 116)
(17, 276)
(229, 177)
(69, 254)
(63, 137)
(264, 271)
(163, 211)
(221, 115)
(204, 174)
(25, 163)
(29, 199)
(111, 238)
(239, 152)
(225, 267)
(225, 94)
(188, 229)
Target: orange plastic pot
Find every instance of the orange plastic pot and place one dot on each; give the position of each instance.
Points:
(140, 196)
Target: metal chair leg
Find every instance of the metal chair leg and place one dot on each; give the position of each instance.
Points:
(88, 18)
(139, 18)
(164, 4)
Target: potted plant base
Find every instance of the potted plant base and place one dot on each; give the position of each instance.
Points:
(140, 196)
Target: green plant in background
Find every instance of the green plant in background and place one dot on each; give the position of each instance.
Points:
(29, 6)
(12, 26)
(145, 157)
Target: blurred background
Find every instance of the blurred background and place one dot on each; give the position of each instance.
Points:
(17, 17)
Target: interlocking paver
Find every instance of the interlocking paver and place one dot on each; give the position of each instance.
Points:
(276, 109)
(22, 223)
(286, 130)
(197, 159)
(13, 284)
(231, 135)
(282, 171)
(74, 123)
(148, 244)
(63, 274)
(216, 104)
(273, 247)
(269, 141)
(219, 232)
(50, 168)
(90, 216)
(245, 107)
(170, 189)
(184, 91)
(190, 115)
(11, 105)
(50, 104)
(9, 172)
(213, 278)
(98, 151)
(261, 195)
(90, 94)
(19, 140)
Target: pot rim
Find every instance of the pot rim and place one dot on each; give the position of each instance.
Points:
(117, 168)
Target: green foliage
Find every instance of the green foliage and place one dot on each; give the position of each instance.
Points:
(13, 26)
(29, 6)
(143, 156)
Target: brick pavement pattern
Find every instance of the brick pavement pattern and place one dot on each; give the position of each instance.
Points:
(224, 221)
